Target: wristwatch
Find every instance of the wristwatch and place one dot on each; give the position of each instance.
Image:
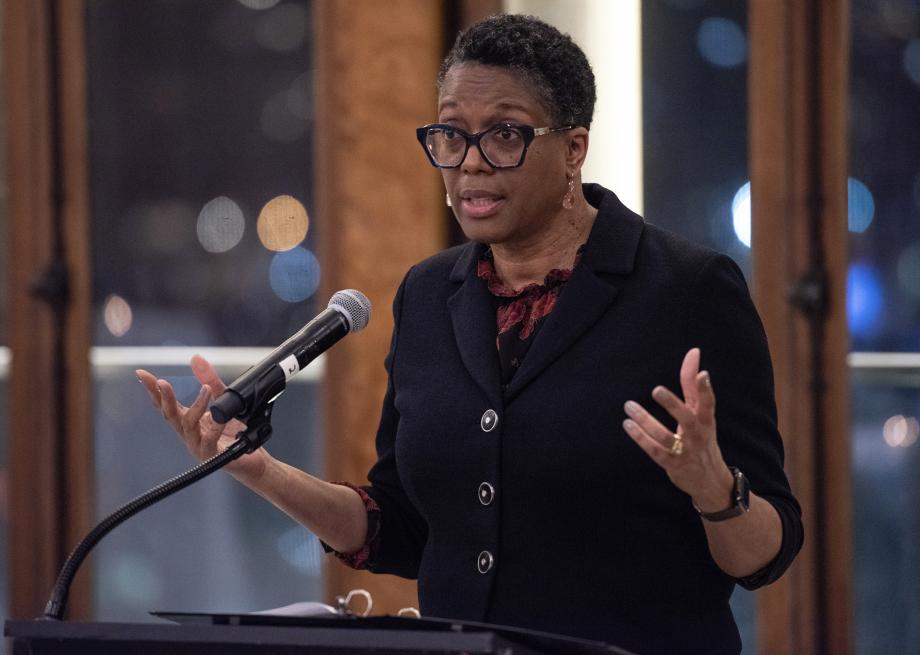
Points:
(740, 498)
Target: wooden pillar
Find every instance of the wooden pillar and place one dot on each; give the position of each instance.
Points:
(380, 209)
(473, 11)
(50, 407)
(798, 162)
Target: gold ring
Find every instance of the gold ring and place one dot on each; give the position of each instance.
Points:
(677, 445)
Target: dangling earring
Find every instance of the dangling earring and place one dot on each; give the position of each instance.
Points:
(568, 200)
(447, 199)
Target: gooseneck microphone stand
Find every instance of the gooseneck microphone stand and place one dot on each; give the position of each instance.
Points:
(258, 431)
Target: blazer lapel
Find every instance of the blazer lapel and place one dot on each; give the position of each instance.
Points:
(609, 255)
(472, 313)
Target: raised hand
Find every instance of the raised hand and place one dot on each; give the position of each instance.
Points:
(690, 456)
(203, 437)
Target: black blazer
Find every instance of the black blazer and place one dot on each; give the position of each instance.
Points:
(577, 531)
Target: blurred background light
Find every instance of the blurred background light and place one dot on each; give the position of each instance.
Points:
(259, 4)
(912, 60)
(294, 275)
(117, 315)
(220, 224)
(741, 214)
(161, 226)
(909, 269)
(231, 33)
(299, 97)
(901, 18)
(864, 299)
(167, 93)
(722, 42)
(901, 431)
(299, 548)
(860, 206)
(283, 29)
(134, 579)
(283, 223)
(278, 122)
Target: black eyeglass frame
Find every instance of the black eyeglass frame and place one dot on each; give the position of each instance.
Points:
(527, 132)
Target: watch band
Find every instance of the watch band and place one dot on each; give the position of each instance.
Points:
(739, 499)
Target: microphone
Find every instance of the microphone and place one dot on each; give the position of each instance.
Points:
(348, 311)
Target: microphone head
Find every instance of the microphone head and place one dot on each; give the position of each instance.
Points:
(354, 306)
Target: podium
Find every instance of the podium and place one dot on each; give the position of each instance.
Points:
(243, 634)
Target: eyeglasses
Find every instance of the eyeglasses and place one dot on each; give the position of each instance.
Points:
(502, 146)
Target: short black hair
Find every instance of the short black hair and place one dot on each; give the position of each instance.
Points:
(541, 54)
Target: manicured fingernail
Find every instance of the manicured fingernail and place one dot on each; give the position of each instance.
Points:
(629, 426)
(631, 407)
(706, 379)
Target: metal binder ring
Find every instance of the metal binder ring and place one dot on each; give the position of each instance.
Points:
(344, 603)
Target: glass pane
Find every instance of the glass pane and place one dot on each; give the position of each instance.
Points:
(883, 289)
(884, 186)
(215, 546)
(201, 140)
(694, 108)
(4, 352)
(886, 532)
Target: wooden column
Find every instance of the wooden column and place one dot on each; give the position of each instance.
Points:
(50, 407)
(380, 208)
(798, 161)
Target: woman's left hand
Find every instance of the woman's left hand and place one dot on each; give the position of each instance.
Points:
(690, 456)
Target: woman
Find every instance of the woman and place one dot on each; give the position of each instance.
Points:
(524, 475)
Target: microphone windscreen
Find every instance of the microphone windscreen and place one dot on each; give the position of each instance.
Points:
(354, 306)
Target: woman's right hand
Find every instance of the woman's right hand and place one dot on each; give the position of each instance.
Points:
(203, 437)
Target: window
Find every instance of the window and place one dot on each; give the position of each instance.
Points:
(201, 159)
(883, 308)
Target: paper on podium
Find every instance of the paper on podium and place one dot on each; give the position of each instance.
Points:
(303, 608)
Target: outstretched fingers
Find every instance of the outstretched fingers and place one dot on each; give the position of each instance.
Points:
(678, 409)
(706, 412)
(149, 382)
(689, 369)
(207, 375)
(652, 447)
(649, 425)
(169, 406)
(196, 410)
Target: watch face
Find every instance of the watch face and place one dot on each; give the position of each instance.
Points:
(742, 490)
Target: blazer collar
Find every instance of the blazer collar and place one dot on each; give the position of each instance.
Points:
(610, 254)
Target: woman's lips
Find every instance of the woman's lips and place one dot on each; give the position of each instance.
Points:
(481, 206)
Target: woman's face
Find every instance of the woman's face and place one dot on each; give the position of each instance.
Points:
(514, 206)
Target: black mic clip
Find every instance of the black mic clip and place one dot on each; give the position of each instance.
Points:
(258, 424)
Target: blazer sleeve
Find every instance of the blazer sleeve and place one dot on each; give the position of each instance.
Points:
(724, 324)
(401, 530)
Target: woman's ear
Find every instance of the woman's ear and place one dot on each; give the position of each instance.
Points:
(576, 150)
